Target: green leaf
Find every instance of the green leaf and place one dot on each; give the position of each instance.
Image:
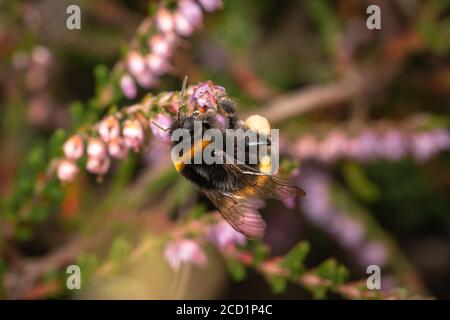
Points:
(236, 269)
(56, 142)
(278, 284)
(359, 183)
(293, 261)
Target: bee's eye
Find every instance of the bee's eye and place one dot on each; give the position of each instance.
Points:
(188, 123)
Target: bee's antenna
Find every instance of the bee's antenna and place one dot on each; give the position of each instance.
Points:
(183, 89)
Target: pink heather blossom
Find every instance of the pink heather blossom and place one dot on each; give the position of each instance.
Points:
(98, 165)
(365, 146)
(109, 128)
(117, 148)
(334, 147)
(183, 251)
(135, 63)
(204, 94)
(191, 11)
(66, 170)
(393, 145)
(307, 147)
(224, 236)
(74, 147)
(146, 79)
(41, 55)
(133, 134)
(161, 45)
(128, 86)
(182, 25)
(372, 253)
(162, 122)
(211, 5)
(96, 148)
(164, 20)
(156, 64)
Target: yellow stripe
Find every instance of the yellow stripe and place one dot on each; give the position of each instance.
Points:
(190, 154)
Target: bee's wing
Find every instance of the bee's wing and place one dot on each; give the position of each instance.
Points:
(241, 213)
(262, 185)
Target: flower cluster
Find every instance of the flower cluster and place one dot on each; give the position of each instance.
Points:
(350, 233)
(392, 144)
(117, 134)
(222, 235)
(146, 68)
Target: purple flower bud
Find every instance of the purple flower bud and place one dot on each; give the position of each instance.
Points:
(224, 236)
(334, 147)
(211, 5)
(307, 147)
(161, 45)
(162, 122)
(98, 166)
(156, 64)
(117, 148)
(393, 145)
(182, 25)
(66, 170)
(133, 134)
(366, 146)
(191, 11)
(96, 148)
(41, 55)
(128, 86)
(204, 94)
(146, 79)
(135, 63)
(183, 251)
(109, 128)
(74, 147)
(164, 20)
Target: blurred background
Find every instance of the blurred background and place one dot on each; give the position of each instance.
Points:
(364, 129)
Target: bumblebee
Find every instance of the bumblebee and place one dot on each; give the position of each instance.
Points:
(235, 189)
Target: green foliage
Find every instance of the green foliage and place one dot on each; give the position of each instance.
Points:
(236, 269)
(119, 252)
(293, 261)
(277, 283)
(358, 182)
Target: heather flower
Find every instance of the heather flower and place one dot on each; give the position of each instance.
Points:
(146, 79)
(334, 147)
(307, 147)
(372, 253)
(162, 122)
(117, 148)
(66, 170)
(393, 145)
(224, 236)
(164, 20)
(156, 64)
(133, 134)
(41, 56)
(135, 63)
(191, 11)
(211, 5)
(204, 94)
(161, 45)
(109, 128)
(182, 251)
(128, 86)
(98, 165)
(182, 25)
(74, 147)
(365, 146)
(96, 148)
